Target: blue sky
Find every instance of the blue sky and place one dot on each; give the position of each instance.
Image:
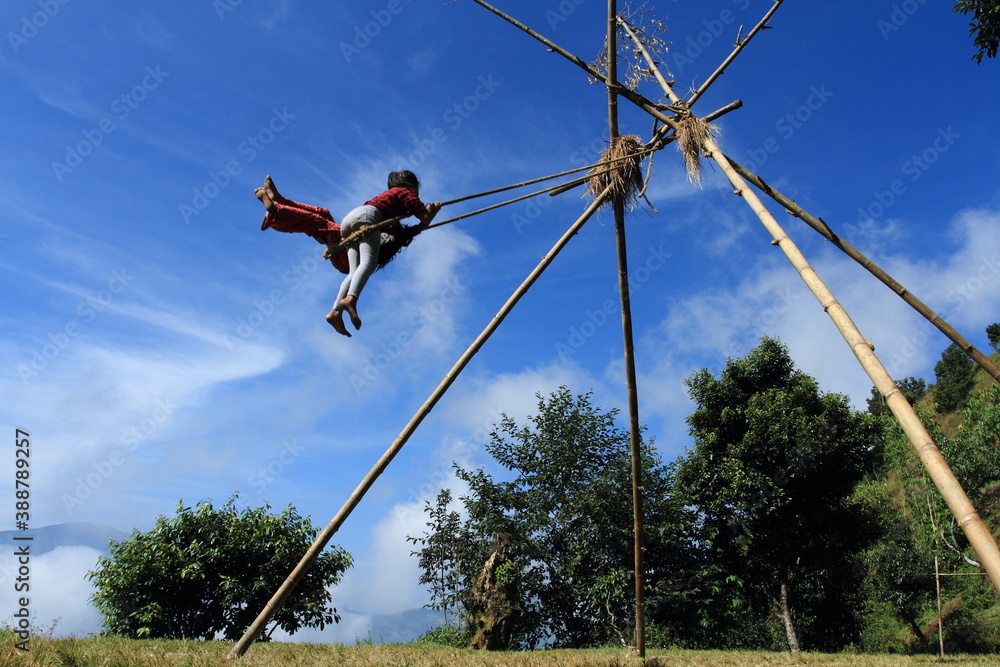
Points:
(158, 346)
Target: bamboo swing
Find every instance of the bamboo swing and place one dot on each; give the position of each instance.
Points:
(612, 180)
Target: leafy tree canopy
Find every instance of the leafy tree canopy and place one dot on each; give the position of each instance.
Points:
(984, 27)
(567, 513)
(208, 572)
(955, 374)
(993, 335)
(772, 471)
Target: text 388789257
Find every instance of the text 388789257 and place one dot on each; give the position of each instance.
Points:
(22, 547)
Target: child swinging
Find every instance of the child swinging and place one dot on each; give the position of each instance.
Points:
(399, 200)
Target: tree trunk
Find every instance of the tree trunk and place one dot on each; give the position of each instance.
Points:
(495, 602)
(786, 619)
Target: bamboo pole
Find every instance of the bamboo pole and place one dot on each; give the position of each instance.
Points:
(972, 524)
(937, 582)
(293, 579)
(975, 529)
(824, 229)
(740, 44)
(621, 246)
(643, 103)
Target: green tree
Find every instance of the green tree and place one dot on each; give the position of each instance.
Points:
(443, 552)
(984, 27)
(771, 474)
(567, 516)
(208, 572)
(918, 527)
(912, 388)
(993, 335)
(955, 374)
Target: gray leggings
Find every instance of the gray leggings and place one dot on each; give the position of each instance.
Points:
(363, 257)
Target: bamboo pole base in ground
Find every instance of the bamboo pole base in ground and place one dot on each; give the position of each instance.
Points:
(293, 579)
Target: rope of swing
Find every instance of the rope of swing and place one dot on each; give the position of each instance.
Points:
(555, 189)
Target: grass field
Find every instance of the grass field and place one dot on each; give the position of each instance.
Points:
(110, 652)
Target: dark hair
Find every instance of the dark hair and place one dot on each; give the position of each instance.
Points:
(404, 179)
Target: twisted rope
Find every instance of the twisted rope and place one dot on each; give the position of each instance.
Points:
(356, 236)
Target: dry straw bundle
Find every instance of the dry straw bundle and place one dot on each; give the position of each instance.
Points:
(619, 169)
(691, 135)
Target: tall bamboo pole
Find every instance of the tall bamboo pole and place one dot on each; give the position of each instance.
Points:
(618, 204)
(873, 268)
(293, 579)
(972, 524)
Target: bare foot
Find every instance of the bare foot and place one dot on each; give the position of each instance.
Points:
(271, 191)
(336, 320)
(349, 303)
(265, 199)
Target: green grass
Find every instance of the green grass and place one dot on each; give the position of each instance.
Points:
(115, 652)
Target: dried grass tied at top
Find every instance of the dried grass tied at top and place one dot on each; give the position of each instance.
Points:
(691, 135)
(619, 168)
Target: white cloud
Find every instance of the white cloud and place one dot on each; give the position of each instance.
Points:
(771, 299)
(59, 595)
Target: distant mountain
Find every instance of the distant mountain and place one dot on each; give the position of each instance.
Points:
(405, 626)
(47, 538)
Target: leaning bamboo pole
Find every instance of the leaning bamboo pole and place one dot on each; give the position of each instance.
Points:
(635, 433)
(824, 229)
(293, 579)
(975, 529)
(972, 524)
(740, 45)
